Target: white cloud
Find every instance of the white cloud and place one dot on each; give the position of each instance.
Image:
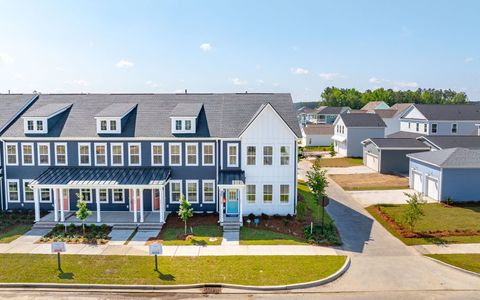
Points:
(374, 80)
(151, 84)
(123, 63)
(80, 82)
(238, 81)
(468, 60)
(395, 84)
(260, 81)
(6, 59)
(329, 76)
(299, 71)
(206, 47)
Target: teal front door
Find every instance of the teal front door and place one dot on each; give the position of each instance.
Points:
(232, 202)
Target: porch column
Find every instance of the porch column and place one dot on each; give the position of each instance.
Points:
(36, 199)
(55, 205)
(240, 198)
(141, 206)
(220, 199)
(97, 198)
(62, 206)
(161, 207)
(135, 205)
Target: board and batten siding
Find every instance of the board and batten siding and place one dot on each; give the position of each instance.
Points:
(355, 136)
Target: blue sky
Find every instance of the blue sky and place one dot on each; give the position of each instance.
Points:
(299, 47)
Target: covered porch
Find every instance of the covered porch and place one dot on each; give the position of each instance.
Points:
(126, 187)
(231, 193)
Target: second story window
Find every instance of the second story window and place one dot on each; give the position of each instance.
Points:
(178, 125)
(175, 154)
(434, 128)
(30, 125)
(208, 154)
(267, 155)
(157, 154)
(12, 155)
(284, 155)
(60, 154)
(113, 125)
(425, 128)
(84, 154)
(40, 125)
(188, 125)
(251, 155)
(232, 155)
(454, 128)
(27, 154)
(116, 152)
(43, 154)
(192, 151)
(134, 155)
(101, 154)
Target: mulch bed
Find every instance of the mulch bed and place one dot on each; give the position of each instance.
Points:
(406, 233)
(75, 235)
(279, 224)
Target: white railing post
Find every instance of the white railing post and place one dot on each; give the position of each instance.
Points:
(62, 206)
(135, 205)
(55, 205)
(141, 206)
(97, 196)
(36, 199)
(220, 199)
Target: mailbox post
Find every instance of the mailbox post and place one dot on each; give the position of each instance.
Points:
(155, 249)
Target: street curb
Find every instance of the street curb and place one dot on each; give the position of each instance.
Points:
(146, 288)
(452, 266)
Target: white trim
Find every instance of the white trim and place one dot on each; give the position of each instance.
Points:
(111, 154)
(35, 121)
(236, 155)
(170, 145)
(80, 155)
(113, 196)
(213, 191)
(32, 154)
(186, 154)
(280, 194)
(27, 182)
(187, 182)
(91, 194)
(213, 154)
(263, 193)
(193, 124)
(95, 154)
(49, 195)
(39, 161)
(151, 154)
(170, 190)
(108, 129)
(56, 154)
(139, 154)
(8, 190)
(16, 154)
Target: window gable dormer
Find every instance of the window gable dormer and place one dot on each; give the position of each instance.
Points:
(184, 117)
(111, 119)
(39, 120)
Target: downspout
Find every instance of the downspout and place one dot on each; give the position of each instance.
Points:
(295, 184)
(4, 179)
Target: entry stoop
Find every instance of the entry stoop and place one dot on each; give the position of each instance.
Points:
(44, 225)
(231, 231)
(150, 226)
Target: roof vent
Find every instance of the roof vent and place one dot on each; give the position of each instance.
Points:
(186, 91)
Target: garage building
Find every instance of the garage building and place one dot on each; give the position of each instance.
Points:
(451, 173)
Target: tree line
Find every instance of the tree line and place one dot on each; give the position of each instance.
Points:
(333, 96)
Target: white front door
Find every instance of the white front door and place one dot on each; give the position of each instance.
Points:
(417, 182)
(372, 161)
(432, 188)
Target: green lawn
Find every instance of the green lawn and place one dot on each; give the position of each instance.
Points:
(340, 162)
(113, 269)
(316, 148)
(255, 236)
(14, 233)
(470, 262)
(201, 236)
(436, 218)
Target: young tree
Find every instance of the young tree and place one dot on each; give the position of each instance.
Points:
(82, 211)
(317, 182)
(332, 150)
(185, 211)
(414, 209)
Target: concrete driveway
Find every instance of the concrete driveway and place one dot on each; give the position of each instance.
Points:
(368, 198)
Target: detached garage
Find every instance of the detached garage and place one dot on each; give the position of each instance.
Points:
(451, 173)
(389, 155)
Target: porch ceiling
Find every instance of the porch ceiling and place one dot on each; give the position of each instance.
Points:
(234, 177)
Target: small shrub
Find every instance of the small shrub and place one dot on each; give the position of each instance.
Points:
(251, 217)
(265, 217)
(71, 227)
(301, 210)
(449, 201)
(59, 227)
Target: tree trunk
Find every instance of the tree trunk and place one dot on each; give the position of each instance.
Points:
(185, 227)
(83, 227)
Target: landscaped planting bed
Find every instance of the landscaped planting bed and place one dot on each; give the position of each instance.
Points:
(441, 223)
(14, 224)
(74, 234)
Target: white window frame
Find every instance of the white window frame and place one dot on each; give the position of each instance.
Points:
(213, 190)
(56, 154)
(251, 156)
(108, 128)
(80, 154)
(139, 154)
(122, 191)
(16, 154)
(95, 145)
(170, 145)
(112, 154)
(32, 155)
(106, 196)
(26, 182)
(263, 194)
(280, 193)
(229, 154)
(203, 154)
(247, 194)
(171, 190)
(272, 156)
(49, 196)
(17, 182)
(35, 129)
(39, 154)
(91, 195)
(283, 156)
(187, 182)
(196, 154)
(153, 155)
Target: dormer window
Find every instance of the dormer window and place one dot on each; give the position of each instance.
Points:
(40, 119)
(113, 125)
(184, 117)
(35, 125)
(103, 125)
(107, 126)
(178, 125)
(30, 126)
(188, 125)
(111, 118)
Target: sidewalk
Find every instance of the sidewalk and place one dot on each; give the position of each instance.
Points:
(448, 248)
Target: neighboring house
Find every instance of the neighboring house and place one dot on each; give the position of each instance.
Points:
(375, 105)
(306, 115)
(388, 155)
(441, 119)
(437, 142)
(391, 117)
(11, 107)
(317, 135)
(234, 154)
(450, 173)
(328, 114)
(352, 129)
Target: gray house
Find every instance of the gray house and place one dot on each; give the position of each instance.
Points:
(437, 142)
(450, 173)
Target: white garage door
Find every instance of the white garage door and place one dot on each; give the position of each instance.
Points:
(371, 161)
(417, 182)
(432, 188)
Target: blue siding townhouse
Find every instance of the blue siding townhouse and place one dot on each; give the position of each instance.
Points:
(233, 154)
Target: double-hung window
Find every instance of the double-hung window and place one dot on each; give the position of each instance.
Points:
(232, 155)
(100, 154)
(192, 191)
(208, 154)
(188, 124)
(27, 154)
(116, 152)
(12, 154)
(30, 126)
(86, 194)
(28, 196)
(113, 125)
(417, 127)
(251, 155)
(45, 196)
(157, 154)
(13, 190)
(175, 191)
(251, 193)
(43, 150)
(118, 196)
(267, 193)
(208, 191)
(192, 154)
(40, 125)
(284, 193)
(103, 125)
(284, 155)
(175, 154)
(61, 154)
(267, 155)
(84, 154)
(454, 128)
(434, 128)
(103, 195)
(134, 154)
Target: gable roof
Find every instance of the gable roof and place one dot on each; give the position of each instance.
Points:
(404, 134)
(320, 129)
(223, 116)
(47, 110)
(372, 105)
(403, 143)
(451, 141)
(386, 113)
(449, 112)
(450, 158)
(11, 106)
(401, 107)
(362, 120)
(116, 110)
(332, 110)
(191, 110)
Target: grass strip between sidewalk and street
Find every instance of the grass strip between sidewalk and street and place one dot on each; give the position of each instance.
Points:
(115, 269)
(470, 262)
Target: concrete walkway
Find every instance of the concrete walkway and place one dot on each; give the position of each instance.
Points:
(448, 248)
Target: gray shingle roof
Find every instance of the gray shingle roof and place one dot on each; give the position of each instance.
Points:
(318, 129)
(386, 143)
(450, 158)
(386, 113)
(187, 110)
(463, 112)
(332, 110)
(362, 120)
(224, 115)
(451, 141)
(116, 110)
(47, 110)
(404, 134)
(11, 105)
